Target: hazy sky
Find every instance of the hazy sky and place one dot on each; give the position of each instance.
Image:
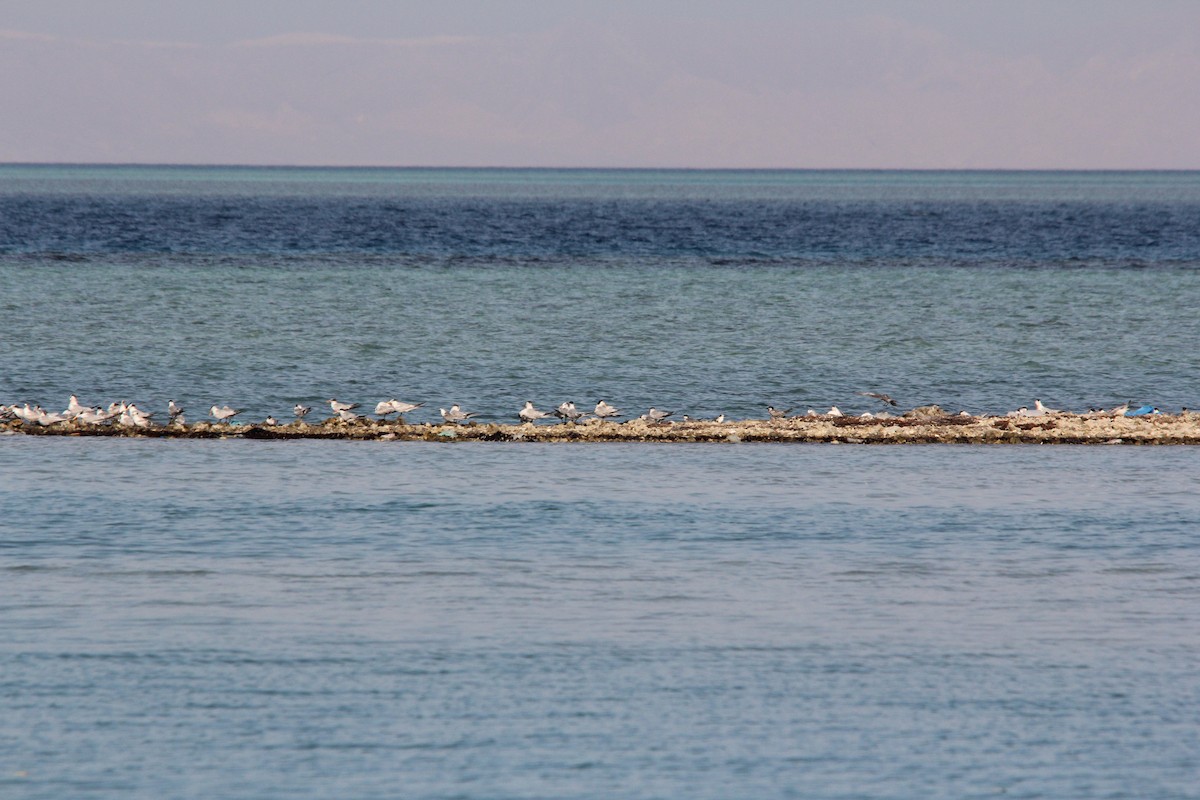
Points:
(752, 83)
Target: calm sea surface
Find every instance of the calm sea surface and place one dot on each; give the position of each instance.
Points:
(199, 619)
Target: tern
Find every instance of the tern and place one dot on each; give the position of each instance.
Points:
(605, 411)
(834, 411)
(94, 417)
(777, 413)
(403, 408)
(1041, 408)
(174, 411)
(883, 398)
(336, 406)
(140, 419)
(531, 414)
(301, 411)
(345, 415)
(567, 412)
(456, 415)
(224, 413)
(654, 415)
(387, 407)
(270, 421)
(26, 413)
(1119, 411)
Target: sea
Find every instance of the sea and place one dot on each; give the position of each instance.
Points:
(334, 619)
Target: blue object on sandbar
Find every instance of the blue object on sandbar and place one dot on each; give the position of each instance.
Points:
(1141, 412)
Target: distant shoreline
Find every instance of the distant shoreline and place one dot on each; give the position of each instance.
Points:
(593, 169)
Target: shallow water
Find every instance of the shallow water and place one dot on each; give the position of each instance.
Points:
(319, 619)
(482, 620)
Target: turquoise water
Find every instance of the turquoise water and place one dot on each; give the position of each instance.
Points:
(696, 340)
(335, 619)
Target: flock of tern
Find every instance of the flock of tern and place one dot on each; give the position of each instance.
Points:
(130, 415)
(127, 414)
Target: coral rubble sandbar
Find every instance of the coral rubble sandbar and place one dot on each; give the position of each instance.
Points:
(923, 426)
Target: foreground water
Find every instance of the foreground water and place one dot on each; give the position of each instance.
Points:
(319, 619)
(196, 619)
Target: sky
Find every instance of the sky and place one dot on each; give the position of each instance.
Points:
(923, 84)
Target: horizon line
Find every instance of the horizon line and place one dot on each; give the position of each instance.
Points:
(545, 168)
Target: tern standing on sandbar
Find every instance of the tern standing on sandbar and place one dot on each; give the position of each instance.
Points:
(531, 414)
(223, 413)
(402, 408)
(605, 411)
(456, 415)
(567, 412)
